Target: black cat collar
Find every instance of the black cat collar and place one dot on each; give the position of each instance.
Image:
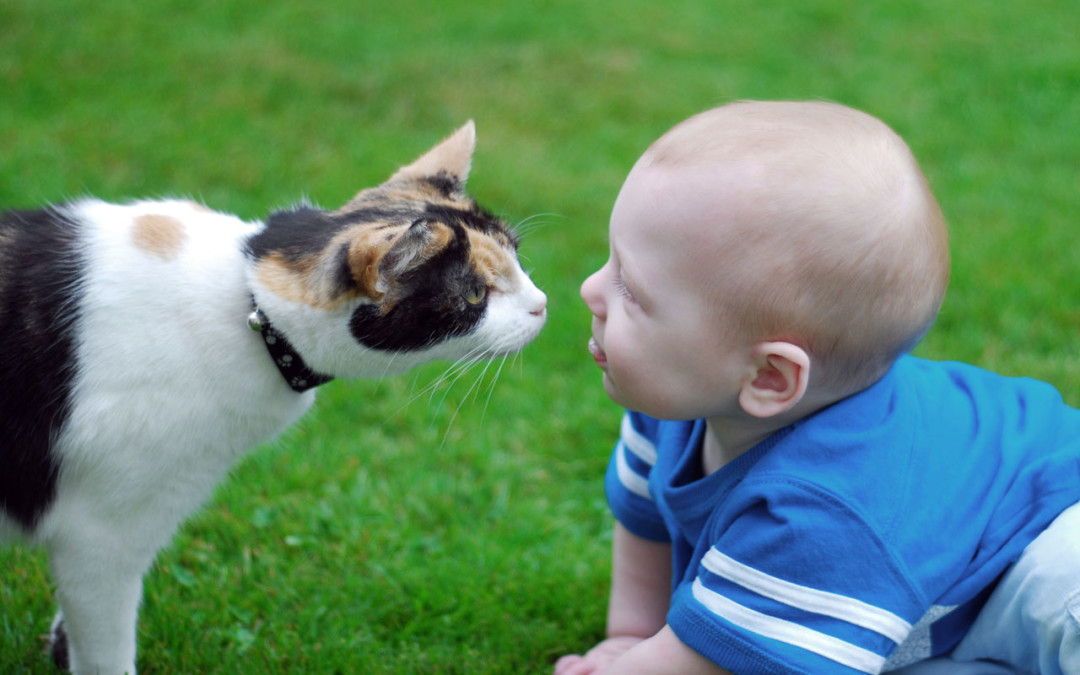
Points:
(289, 363)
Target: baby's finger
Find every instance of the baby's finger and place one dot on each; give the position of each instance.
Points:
(572, 664)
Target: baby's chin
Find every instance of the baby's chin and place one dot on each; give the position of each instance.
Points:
(611, 390)
(650, 402)
(625, 399)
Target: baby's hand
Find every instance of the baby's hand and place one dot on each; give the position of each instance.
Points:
(597, 659)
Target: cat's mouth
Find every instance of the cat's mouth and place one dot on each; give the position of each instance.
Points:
(597, 353)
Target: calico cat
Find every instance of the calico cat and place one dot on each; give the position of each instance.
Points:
(144, 347)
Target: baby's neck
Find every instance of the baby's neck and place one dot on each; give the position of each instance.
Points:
(727, 438)
(724, 444)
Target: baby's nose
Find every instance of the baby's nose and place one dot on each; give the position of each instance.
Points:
(591, 293)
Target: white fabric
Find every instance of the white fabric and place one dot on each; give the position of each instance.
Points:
(1038, 597)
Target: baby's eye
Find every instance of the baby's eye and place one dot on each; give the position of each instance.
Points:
(621, 288)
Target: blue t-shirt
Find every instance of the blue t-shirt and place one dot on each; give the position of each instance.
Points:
(862, 538)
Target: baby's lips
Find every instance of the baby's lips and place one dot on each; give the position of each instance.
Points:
(597, 353)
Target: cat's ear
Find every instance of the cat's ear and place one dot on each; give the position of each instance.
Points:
(451, 158)
(373, 266)
(422, 241)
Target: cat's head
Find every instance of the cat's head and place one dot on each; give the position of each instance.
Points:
(407, 272)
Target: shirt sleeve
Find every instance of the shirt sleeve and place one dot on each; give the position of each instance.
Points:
(627, 480)
(792, 581)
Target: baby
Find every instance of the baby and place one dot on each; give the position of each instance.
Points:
(793, 492)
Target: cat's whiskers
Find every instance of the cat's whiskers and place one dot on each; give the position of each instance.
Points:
(454, 371)
(491, 388)
(389, 364)
(386, 371)
(473, 390)
(526, 226)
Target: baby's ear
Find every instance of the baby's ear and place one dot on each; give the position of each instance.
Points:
(778, 380)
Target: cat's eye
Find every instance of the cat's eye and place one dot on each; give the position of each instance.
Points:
(476, 295)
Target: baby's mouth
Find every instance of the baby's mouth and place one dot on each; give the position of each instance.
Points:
(597, 353)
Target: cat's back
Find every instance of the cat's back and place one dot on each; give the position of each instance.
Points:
(122, 328)
(142, 246)
(153, 259)
(121, 282)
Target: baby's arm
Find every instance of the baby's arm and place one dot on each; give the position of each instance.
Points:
(640, 595)
(663, 654)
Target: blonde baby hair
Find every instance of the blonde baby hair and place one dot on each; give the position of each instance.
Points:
(840, 245)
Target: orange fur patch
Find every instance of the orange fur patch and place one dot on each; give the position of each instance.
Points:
(314, 280)
(492, 260)
(287, 278)
(311, 280)
(366, 248)
(160, 236)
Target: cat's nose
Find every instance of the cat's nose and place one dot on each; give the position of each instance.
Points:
(540, 307)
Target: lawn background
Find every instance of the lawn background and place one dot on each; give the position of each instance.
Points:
(413, 526)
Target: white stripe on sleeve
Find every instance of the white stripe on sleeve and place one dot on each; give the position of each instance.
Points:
(789, 632)
(632, 481)
(638, 444)
(842, 607)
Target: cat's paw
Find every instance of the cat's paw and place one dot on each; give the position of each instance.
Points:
(58, 644)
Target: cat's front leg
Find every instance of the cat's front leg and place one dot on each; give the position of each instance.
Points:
(99, 587)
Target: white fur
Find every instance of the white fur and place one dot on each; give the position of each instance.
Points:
(514, 317)
(172, 387)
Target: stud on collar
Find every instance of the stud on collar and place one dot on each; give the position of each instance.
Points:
(256, 320)
(297, 374)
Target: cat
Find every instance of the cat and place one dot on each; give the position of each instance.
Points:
(144, 347)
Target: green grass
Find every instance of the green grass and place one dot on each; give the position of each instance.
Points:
(401, 531)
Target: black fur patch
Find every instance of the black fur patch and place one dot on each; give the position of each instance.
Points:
(58, 648)
(343, 279)
(386, 216)
(305, 231)
(474, 218)
(297, 233)
(40, 273)
(433, 307)
(446, 184)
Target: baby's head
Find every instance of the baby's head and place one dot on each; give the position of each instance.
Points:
(815, 226)
(806, 225)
